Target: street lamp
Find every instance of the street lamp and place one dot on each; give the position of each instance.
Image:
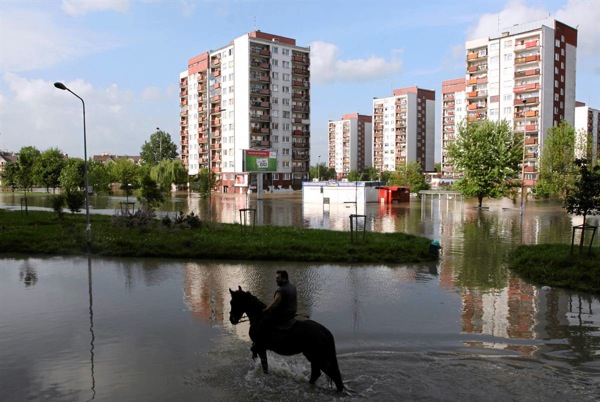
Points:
(88, 227)
(159, 158)
(319, 168)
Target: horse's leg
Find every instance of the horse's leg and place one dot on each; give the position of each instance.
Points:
(315, 368)
(262, 353)
(332, 371)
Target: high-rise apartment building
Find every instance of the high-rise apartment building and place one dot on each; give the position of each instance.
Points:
(587, 131)
(454, 110)
(525, 75)
(350, 144)
(404, 129)
(253, 93)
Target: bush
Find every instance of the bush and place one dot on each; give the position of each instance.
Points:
(75, 200)
(58, 202)
(142, 219)
(190, 220)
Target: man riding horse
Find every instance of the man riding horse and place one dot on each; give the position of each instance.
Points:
(280, 314)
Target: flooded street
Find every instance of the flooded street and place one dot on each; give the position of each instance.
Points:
(464, 328)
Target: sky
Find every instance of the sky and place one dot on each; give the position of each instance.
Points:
(123, 57)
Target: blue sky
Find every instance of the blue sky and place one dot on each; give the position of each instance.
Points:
(123, 57)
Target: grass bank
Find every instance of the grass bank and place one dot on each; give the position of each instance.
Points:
(553, 265)
(42, 232)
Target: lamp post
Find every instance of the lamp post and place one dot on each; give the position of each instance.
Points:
(159, 159)
(319, 168)
(88, 227)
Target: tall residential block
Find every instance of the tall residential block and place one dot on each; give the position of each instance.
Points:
(253, 93)
(454, 110)
(350, 144)
(587, 129)
(525, 75)
(404, 129)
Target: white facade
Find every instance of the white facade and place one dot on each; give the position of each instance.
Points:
(404, 129)
(587, 129)
(350, 144)
(526, 76)
(250, 94)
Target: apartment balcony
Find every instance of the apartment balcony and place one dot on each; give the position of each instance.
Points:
(215, 99)
(216, 73)
(448, 97)
(532, 72)
(300, 84)
(300, 145)
(526, 88)
(216, 134)
(300, 157)
(300, 59)
(477, 106)
(300, 71)
(528, 59)
(477, 55)
(531, 127)
(524, 100)
(449, 104)
(527, 45)
(529, 169)
(215, 109)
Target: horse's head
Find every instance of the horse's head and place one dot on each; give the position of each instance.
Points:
(238, 305)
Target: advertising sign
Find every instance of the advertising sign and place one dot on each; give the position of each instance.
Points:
(260, 161)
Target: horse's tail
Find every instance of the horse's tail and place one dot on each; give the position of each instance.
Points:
(331, 368)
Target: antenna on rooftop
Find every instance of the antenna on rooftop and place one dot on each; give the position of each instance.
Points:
(254, 23)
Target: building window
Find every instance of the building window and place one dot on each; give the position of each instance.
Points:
(275, 62)
(557, 43)
(275, 49)
(556, 56)
(276, 175)
(285, 89)
(275, 75)
(285, 64)
(275, 88)
(275, 113)
(286, 176)
(286, 114)
(286, 77)
(285, 52)
(285, 101)
(275, 100)
(286, 126)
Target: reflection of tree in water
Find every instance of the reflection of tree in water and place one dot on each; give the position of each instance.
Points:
(28, 274)
(484, 250)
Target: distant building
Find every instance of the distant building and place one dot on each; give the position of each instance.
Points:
(587, 129)
(454, 110)
(404, 129)
(253, 93)
(6, 157)
(350, 144)
(108, 158)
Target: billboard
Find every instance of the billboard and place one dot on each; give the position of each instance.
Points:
(260, 161)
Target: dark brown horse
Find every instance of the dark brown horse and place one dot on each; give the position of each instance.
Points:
(308, 337)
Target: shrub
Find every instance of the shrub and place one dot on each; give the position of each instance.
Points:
(75, 200)
(58, 202)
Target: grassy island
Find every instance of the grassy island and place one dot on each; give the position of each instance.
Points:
(41, 232)
(553, 265)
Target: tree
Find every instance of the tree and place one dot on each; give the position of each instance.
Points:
(488, 154)
(72, 176)
(48, 167)
(160, 147)
(25, 176)
(409, 175)
(99, 177)
(557, 162)
(151, 195)
(169, 172)
(10, 176)
(204, 182)
(353, 175)
(125, 172)
(584, 199)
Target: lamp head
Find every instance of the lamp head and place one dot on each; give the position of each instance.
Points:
(60, 85)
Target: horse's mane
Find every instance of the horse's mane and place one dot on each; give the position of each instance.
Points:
(253, 301)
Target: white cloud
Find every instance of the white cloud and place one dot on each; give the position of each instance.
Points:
(38, 41)
(81, 7)
(326, 65)
(34, 112)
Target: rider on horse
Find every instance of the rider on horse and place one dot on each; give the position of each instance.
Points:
(280, 313)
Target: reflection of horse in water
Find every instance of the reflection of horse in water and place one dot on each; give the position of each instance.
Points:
(308, 337)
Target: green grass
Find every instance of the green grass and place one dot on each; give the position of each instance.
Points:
(553, 265)
(41, 232)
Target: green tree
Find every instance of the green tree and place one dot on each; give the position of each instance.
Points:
(169, 172)
(125, 172)
(48, 167)
(151, 195)
(409, 175)
(204, 182)
(437, 167)
(353, 175)
(557, 162)
(10, 175)
(584, 199)
(373, 174)
(100, 177)
(72, 176)
(160, 147)
(488, 154)
(25, 177)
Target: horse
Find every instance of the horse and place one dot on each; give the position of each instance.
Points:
(308, 337)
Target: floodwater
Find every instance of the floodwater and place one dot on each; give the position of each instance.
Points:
(464, 328)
